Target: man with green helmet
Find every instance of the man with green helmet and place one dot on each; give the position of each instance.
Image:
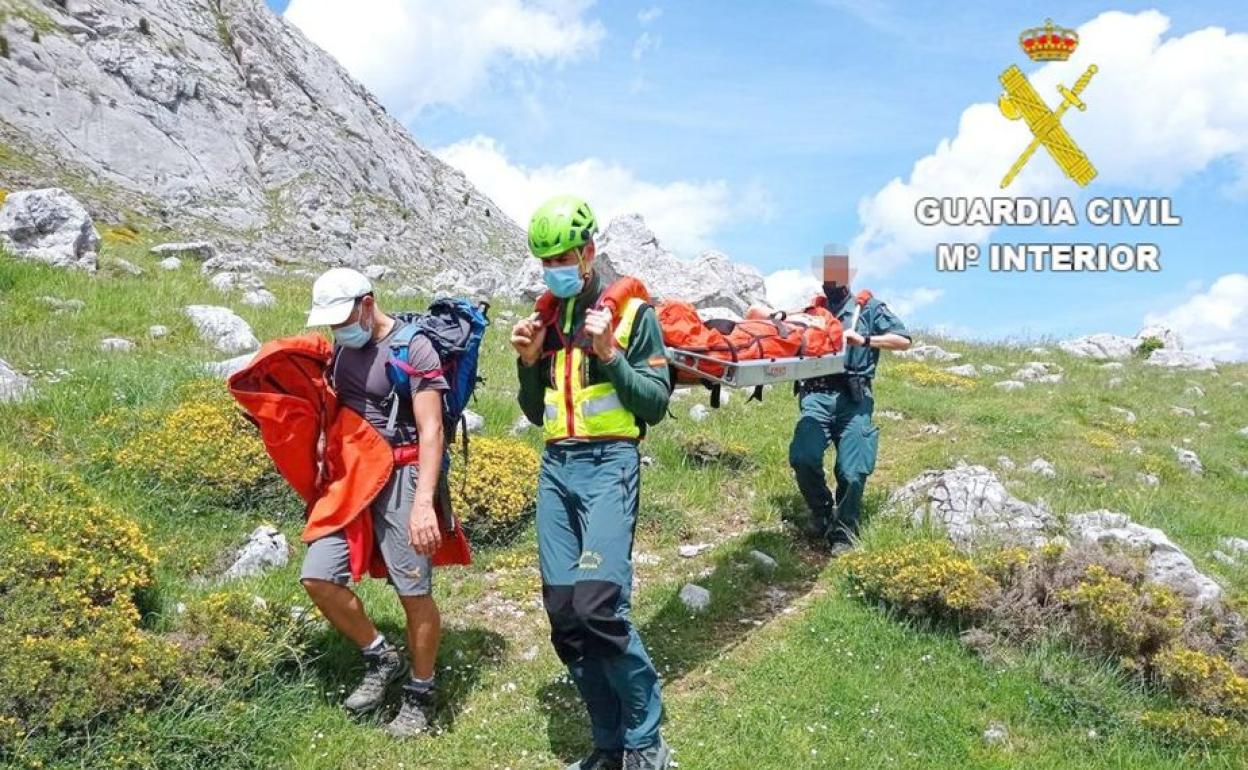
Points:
(593, 373)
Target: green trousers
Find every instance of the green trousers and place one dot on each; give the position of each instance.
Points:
(834, 418)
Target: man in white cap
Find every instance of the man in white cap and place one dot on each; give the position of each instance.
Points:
(405, 524)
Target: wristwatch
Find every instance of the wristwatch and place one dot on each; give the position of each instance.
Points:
(866, 340)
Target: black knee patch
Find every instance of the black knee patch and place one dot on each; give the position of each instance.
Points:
(565, 627)
(595, 605)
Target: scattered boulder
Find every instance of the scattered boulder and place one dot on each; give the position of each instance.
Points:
(629, 247)
(1189, 460)
(201, 251)
(1112, 366)
(1235, 545)
(971, 505)
(225, 369)
(116, 345)
(991, 369)
(889, 414)
(1194, 391)
(691, 550)
(170, 264)
(377, 272)
(963, 370)
(49, 226)
(1180, 359)
(223, 329)
(1043, 467)
(1038, 351)
(1182, 411)
(1148, 479)
(996, 734)
(1165, 563)
(157, 331)
(265, 549)
(13, 386)
(259, 298)
(695, 598)
(763, 561)
(1009, 385)
(699, 412)
(473, 422)
(118, 266)
(1101, 346)
(1005, 463)
(1169, 339)
(926, 352)
(1113, 382)
(521, 425)
(1039, 371)
(1128, 416)
(226, 282)
(1244, 431)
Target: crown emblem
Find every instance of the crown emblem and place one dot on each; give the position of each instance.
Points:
(1049, 43)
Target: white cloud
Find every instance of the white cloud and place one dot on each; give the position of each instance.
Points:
(906, 303)
(1159, 110)
(683, 214)
(1214, 322)
(415, 53)
(792, 289)
(644, 44)
(648, 15)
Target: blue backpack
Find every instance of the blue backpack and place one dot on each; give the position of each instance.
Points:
(455, 328)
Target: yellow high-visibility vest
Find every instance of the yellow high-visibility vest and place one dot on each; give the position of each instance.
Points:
(575, 410)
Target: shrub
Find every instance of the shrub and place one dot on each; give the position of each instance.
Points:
(497, 488)
(925, 578)
(1206, 680)
(924, 375)
(1188, 726)
(3, 195)
(119, 235)
(704, 451)
(230, 634)
(1148, 345)
(1115, 617)
(205, 442)
(70, 567)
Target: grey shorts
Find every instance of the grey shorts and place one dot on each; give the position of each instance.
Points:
(411, 574)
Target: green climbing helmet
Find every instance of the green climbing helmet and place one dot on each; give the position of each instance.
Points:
(561, 223)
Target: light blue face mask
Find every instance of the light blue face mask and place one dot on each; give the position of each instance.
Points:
(564, 282)
(353, 336)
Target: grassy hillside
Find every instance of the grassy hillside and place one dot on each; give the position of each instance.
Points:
(786, 670)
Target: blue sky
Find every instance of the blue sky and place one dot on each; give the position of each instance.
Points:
(773, 121)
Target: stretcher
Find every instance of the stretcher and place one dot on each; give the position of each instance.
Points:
(716, 373)
(756, 373)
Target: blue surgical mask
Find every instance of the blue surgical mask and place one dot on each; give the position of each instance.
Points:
(564, 282)
(353, 336)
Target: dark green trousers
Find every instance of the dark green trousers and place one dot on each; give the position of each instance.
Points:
(835, 419)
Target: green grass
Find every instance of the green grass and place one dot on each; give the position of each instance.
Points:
(784, 671)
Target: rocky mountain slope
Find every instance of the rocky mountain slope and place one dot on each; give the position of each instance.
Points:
(215, 119)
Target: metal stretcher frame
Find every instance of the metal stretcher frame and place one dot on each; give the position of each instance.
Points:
(763, 371)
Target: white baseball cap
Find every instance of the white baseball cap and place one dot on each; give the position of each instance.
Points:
(334, 295)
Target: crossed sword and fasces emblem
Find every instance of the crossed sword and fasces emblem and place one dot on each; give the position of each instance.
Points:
(1020, 100)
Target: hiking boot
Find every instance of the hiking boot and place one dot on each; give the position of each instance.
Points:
(380, 669)
(815, 528)
(600, 759)
(656, 757)
(415, 715)
(839, 541)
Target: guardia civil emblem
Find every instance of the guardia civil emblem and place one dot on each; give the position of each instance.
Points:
(1020, 101)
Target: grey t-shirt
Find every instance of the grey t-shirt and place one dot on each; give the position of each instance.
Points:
(359, 376)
